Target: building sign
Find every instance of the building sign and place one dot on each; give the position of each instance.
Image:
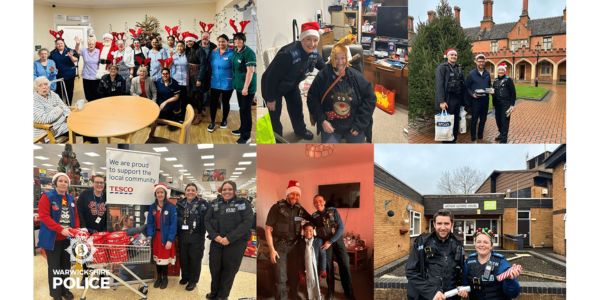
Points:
(489, 205)
(461, 205)
(130, 176)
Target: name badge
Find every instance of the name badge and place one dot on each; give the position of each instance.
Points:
(230, 210)
(98, 219)
(72, 204)
(194, 224)
(239, 61)
(185, 227)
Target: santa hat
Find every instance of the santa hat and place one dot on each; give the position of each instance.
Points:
(55, 177)
(136, 35)
(449, 51)
(57, 34)
(188, 36)
(502, 66)
(163, 186)
(107, 36)
(310, 29)
(480, 55)
(118, 35)
(206, 27)
(242, 25)
(293, 186)
(166, 63)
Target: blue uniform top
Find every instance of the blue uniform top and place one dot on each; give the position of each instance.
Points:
(510, 287)
(64, 64)
(40, 70)
(476, 81)
(155, 66)
(222, 69)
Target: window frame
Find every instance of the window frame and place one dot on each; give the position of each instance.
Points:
(415, 215)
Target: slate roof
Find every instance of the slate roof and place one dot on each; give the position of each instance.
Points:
(386, 180)
(539, 27)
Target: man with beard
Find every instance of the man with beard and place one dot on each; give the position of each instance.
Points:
(106, 47)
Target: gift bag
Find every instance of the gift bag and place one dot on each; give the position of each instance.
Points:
(385, 99)
(264, 130)
(444, 123)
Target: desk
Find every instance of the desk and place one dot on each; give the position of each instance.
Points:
(118, 116)
(390, 77)
(358, 258)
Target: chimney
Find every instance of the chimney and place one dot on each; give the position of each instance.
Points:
(457, 14)
(525, 12)
(488, 19)
(411, 21)
(430, 15)
(565, 14)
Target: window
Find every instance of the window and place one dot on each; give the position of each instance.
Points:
(517, 44)
(547, 43)
(545, 68)
(494, 46)
(415, 223)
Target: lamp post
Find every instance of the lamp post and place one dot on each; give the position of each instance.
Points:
(513, 63)
(538, 47)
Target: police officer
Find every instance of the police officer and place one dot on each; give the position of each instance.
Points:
(192, 234)
(484, 271)
(435, 262)
(449, 87)
(228, 222)
(282, 231)
(478, 79)
(503, 99)
(281, 78)
(331, 232)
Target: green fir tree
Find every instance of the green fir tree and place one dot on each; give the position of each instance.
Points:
(428, 46)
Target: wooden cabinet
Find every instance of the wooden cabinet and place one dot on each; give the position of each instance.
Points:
(344, 21)
(390, 77)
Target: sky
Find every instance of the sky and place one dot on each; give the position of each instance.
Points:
(420, 165)
(504, 11)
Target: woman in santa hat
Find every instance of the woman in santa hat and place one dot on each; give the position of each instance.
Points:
(156, 53)
(162, 227)
(59, 217)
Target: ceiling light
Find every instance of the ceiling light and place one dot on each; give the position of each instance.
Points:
(183, 170)
(207, 157)
(318, 150)
(166, 175)
(51, 169)
(40, 157)
(92, 154)
(47, 165)
(85, 169)
(187, 174)
(240, 169)
(170, 158)
(236, 173)
(87, 163)
(103, 168)
(161, 171)
(160, 149)
(244, 163)
(205, 146)
(249, 154)
(209, 164)
(178, 166)
(37, 147)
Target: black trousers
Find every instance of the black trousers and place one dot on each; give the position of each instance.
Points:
(245, 103)
(502, 121)
(58, 261)
(479, 110)
(69, 84)
(224, 262)
(90, 89)
(190, 255)
(286, 269)
(338, 250)
(225, 96)
(293, 101)
(454, 109)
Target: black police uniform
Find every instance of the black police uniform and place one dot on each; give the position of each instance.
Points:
(480, 104)
(192, 234)
(230, 219)
(281, 78)
(434, 266)
(286, 221)
(504, 97)
(482, 279)
(333, 228)
(449, 88)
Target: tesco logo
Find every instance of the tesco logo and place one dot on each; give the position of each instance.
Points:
(121, 189)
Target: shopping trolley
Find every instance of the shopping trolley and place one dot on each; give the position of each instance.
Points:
(107, 257)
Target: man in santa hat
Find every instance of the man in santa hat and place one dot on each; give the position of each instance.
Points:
(106, 47)
(290, 66)
(283, 231)
(450, 87)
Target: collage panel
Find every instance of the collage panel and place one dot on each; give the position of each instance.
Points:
(336, 67)
(144, 221)
(491, 223)
(144, 71)
(488, 71)
(315, 221)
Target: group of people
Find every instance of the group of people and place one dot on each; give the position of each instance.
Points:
(437, 265)
(184, 71)
(340, 100)
(453, 91)
(306, 244)
(227, 221)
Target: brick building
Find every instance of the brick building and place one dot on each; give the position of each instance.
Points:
(558, 162)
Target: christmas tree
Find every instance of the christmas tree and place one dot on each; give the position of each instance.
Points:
(68, 164)
(150, 25)
(428, 46)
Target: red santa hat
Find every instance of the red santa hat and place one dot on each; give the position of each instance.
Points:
(188, 36)
(206, 27)
(163, 186)
(310, 29)
(57, 34)
(502, 66)
(293, 186)
(449, 51)
(242, 25)
(107, 36)
(55, 177)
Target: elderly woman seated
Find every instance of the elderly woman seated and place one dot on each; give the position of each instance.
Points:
(48, 108)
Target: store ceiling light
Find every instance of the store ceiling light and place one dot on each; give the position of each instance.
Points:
(249, 154)
(207, 157)
(103, 168)
(244, 163)
(88, 163)
(92, 154)
(166, 175)
(205, 146)
(187, 174)
(85, 169)
(209, 164)
(41, 157)
(37, 147)
(178, 166)
(47, 165)
(160, 149)
(170, 158)
(183, 170)
(240, 169)
(237, 173)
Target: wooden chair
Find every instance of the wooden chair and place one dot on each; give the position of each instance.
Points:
(183, 127)
(48, 134)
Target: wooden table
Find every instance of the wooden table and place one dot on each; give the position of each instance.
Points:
(118, 116)
(391, 78)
